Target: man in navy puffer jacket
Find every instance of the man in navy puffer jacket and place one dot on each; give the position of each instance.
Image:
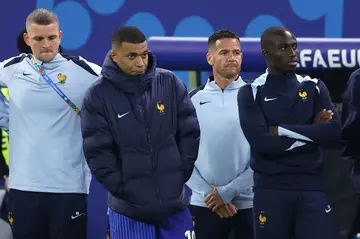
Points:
(141, 138)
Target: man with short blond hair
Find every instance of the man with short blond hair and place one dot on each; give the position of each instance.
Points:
(49, 178)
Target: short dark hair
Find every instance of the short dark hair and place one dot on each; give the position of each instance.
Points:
(129, 34)
(41, 16)
(221, 34)
(268, 35)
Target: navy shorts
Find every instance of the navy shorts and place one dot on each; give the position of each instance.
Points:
(35, 215)
(293, 214)
(208, 225)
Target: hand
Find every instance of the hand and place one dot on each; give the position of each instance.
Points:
(323, 116)
(214, 200)
(227, 211)
(274, 130)
(6, 183)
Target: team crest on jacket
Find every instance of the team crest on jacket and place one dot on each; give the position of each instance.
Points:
(10, 218)
(262, 219)
(303, 95)
(61, 78)
(161, 107)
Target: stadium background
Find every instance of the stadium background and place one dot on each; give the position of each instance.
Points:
(88, 25)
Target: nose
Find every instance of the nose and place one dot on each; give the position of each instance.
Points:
(46, 43)
(231, 58)
(140, 62)
(292, 51)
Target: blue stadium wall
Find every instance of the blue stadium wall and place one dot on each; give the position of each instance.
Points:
(88, 25)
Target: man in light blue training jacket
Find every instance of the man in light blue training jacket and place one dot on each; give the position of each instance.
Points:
(49, 178)
(222, 179)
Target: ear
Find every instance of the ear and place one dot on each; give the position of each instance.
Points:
(209, 58)
(26, 39)
(60, 35)
(113, 55)
(241, 58)
(264, 52)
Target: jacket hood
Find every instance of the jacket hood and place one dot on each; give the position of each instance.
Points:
(128, 83)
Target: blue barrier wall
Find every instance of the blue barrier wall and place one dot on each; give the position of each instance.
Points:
(188, 53)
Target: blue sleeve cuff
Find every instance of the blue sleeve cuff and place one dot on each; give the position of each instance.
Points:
(225, 194)
(281, 131)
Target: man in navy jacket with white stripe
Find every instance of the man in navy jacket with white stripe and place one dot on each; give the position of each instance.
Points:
(286, 119)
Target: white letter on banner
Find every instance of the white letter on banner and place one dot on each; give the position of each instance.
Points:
(344, 58)
(305, 57)
(333, 58)
(319, 60)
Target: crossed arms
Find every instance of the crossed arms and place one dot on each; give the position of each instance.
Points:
(286, 139)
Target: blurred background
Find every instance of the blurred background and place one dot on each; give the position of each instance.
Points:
(327, 32)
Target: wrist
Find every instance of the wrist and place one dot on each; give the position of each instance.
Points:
(224, 193)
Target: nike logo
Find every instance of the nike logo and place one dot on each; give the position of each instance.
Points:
(269, 99)
(77, 215)
(205, 102)
(120, 116)
(328, 209)
(26, 74)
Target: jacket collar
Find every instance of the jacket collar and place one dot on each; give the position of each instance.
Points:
(128, 83)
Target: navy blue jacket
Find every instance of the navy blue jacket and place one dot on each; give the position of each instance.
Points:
(351, 120)
(141, 138)
(291, 160)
